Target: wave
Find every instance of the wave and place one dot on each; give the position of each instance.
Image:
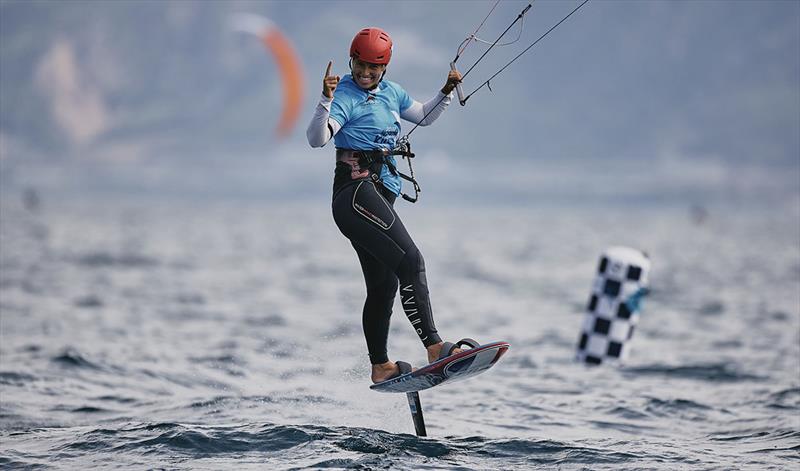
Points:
(90, 410)
(10, 463)
(13, 378)
(105, 259)
(712, 308)
(168, 438)
(117, 399)
(714, 372)
(757, 435)
(655, 409)
(314, 446)
(218, 401)
(71, 358)
(89, 301)
(784, 399)
(669, 407)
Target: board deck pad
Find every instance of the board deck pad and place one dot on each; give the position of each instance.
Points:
(458, 367)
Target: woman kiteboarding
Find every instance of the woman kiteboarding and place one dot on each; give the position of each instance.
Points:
(361, 112)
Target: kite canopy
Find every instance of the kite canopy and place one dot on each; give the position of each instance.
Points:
(288, 63)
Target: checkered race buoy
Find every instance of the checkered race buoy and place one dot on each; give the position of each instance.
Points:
(613, 309)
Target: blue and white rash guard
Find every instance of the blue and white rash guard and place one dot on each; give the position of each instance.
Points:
(361, 119)
(370, 120)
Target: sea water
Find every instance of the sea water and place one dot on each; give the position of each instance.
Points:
(214, 335)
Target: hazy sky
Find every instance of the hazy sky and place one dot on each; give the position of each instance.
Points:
(626, 98)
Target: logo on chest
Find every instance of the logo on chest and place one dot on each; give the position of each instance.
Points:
(388, 136)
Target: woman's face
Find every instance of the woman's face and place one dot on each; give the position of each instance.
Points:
(366, 74)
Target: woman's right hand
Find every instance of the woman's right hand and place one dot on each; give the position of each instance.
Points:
(330, 82)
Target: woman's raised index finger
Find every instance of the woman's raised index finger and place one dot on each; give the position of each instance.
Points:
(328, 70)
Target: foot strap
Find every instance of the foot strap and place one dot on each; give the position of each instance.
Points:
(448, 347)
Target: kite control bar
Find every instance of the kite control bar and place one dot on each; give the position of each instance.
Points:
(460, 90)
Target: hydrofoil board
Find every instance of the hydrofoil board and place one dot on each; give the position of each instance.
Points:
(456, 367)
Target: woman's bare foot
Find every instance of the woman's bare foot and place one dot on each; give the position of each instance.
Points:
(436, 349)
(384, 371)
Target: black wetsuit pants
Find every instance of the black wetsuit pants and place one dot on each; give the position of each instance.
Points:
(364, 212)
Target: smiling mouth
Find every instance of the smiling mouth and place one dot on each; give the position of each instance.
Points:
(365, 79)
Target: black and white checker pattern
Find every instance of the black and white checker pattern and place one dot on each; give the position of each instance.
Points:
(612, 312)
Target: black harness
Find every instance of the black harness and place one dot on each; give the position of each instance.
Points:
(374, 160)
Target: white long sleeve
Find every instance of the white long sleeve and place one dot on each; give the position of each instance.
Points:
(322, 128)
(431, 110)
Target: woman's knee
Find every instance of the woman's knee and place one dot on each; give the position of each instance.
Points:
(411, 264)
(385, 289)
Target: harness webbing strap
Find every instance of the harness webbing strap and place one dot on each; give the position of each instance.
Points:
(367, 158)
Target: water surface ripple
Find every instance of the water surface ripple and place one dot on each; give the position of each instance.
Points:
(225, 336)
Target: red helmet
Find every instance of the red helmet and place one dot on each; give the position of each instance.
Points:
(372, 45)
